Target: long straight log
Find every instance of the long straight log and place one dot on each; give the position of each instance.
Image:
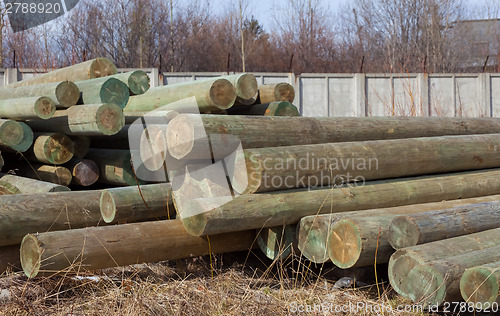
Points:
(404, 260)
(133, 204)
(103, 90)
(51, 148)
(137, 81)
(22, 185)
(27, 140)
(90, 69)
(313, 230)
(115, 166)
(207, 217)
(104, 247)
(84, 120)
(83, 172)
(42, 212)
(27, 108)
(210, 96)
(278, 108)
(55, 174)
(281, 168)
(10, 259)
(414, 229)
(187, 133)
(481, 284)
(433, 283)
(11, 133)
(276, 92)
(63, 93)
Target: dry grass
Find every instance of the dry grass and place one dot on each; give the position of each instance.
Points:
(237, 284)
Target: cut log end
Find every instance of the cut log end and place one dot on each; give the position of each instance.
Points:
(67, 94)
(27, 140)
(426, 285)
(479, 285)
(403, 232)
(180, 136)
(247, 89)
(138, 82)
(110, 119)
(44, 108)
(85, 172)
(312, 245)
(195, 225)
(54, 148)
(102, 67)
(223, 94)
(11, 133)
(114, 91)
(284, 92)
(400, 264)
(344, 244)
(31, 254)
(107, 206)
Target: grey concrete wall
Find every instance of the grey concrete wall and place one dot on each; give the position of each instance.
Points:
(362, 94)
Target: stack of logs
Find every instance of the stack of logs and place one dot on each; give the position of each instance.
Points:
(419, 193)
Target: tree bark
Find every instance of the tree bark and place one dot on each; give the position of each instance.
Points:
(55, 174)
(103, 90)
(22, 185)
(63, 93)
(27, 108)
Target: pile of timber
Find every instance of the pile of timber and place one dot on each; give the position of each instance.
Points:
(96, 163)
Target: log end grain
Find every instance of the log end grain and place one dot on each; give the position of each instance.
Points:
(114, 91)
(85, 172)
(247, 89)
(11, 133)
(107, 206)
(27, 140)
(312, 241)
(53, 148)
(110, 119)
(344, 244)
(31, 254)
(479, 285)
(400, 264)
(138, 82)
(67, 93)
(426, 285)
(403, 232)
(102, 67)
(44, 108)
(284, 92)
(222, 93)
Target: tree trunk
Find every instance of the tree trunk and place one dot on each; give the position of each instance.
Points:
(415, 229)
(439, 281)
(119, 245)
(95, 68)
(283, 208)
(187, 133)
(134, 204)
(103, 90)
(210, 96)
(22, 185)
(276, 92)
(404, 260)
(41, 212)
(273, 169)
(51, 148)
(54, 174)
(281, 108)
(27, 108)
(137, 81)
(481, 284)
(86, 120)
(115, 166)
(63, 93)
(313, 230)
(83, 172)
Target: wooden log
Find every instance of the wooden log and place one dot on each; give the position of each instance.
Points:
(42, 212)
(188, 133)
(481, 284)
(404, 260)
(51, 148)
(115, 166)
(63, 93)
(83, 172)
(11, 133)
(55, 174)
(281, 168)
(87, 120)
(210, 96)
(433, 283)
(23, 185)
(95, 68)
(276, 92)
(27, 108)
(118, 245)
(278, 108)
(277, 243)
(414, 229)
(27, 140)
(283, 208)
(10, 259)
(313, 230)
(247, 89)
(134, 204)
(137, 81)
(103, 90)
